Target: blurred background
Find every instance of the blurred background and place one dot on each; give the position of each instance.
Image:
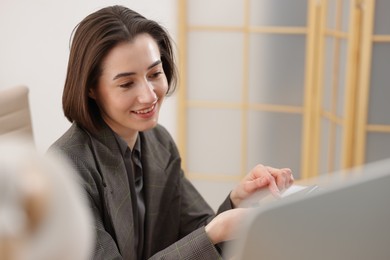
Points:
(288, 83)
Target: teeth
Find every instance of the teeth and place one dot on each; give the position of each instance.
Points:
(145, 111)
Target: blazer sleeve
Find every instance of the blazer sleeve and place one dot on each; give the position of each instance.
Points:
(195, 214)
(226, 205)
(196, 245)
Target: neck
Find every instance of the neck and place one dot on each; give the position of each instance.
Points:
(130, 140)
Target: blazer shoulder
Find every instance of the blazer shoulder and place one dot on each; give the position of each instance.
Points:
(74, 140)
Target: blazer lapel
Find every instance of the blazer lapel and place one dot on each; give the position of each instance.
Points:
(155, 158)
(116, 192)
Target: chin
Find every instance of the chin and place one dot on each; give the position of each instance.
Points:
(148, 126)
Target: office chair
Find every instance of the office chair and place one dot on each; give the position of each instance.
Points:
(15, 117)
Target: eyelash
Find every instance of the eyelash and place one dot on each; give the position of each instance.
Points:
(126, 85)
(155, 75)
(129, 84)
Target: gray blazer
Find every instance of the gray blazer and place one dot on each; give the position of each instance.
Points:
(175, 212)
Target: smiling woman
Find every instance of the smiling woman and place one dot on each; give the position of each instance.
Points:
(131, 88)
(121, 67)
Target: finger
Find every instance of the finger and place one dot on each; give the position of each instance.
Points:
(281, 176)
(284, 177)
(252, 186)
(290, 179)
(274, 188)
(276, 171)
(257, 172)
(271, 183)
(281, 182)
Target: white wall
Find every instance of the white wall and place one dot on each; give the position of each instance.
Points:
(34, 49)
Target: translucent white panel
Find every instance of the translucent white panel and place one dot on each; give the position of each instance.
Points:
(275, 139)
(324, 146)
(382, 17)
(342, 72)
(346, 10)
(331, 14)
(278, 12)
(277, 69)
(214, 192)
(215, 66)
(337, 152)
(329, 74)
(379, 105)
(216, 12)
(377, 147)
(214, 141)
(335, 8)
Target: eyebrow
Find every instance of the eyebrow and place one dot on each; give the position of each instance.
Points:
(126, 74)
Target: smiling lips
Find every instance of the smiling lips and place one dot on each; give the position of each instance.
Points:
(146, 110)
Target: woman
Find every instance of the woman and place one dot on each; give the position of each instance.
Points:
(120, 69)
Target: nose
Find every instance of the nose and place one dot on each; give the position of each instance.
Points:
(146, 93)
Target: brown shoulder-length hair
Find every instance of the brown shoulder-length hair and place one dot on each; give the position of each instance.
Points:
(92, 39)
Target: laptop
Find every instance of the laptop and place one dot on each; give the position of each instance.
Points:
(347, 218)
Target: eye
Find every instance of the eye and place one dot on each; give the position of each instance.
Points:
(155, 75)
(126, 85)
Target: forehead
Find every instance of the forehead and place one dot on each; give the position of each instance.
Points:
(133, 55)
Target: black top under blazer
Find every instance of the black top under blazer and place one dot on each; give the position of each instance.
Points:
(175, 211)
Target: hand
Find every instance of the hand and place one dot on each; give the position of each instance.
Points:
(225, 226)
(262, 177)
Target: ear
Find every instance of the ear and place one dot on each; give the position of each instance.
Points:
(91, 93)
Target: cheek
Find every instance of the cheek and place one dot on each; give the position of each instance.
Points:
(162, 89)
(110, 104)
(122, 103)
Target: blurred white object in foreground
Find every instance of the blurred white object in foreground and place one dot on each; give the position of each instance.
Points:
(43, 211)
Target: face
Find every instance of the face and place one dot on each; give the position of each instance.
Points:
(132, 87)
